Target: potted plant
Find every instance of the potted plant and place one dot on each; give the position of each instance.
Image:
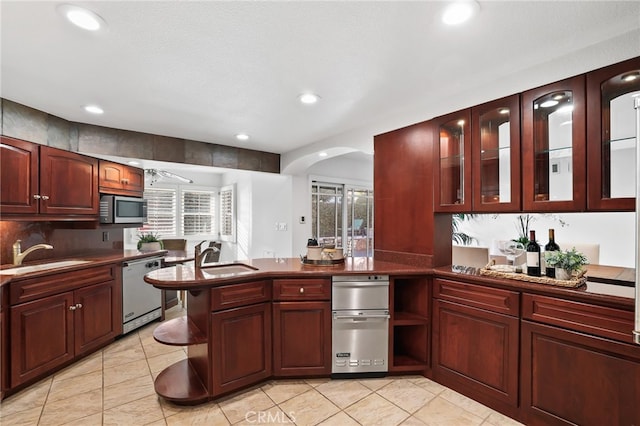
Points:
(149, 241)
(566, 262)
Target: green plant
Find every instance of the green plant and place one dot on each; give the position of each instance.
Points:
(570, 260)
(456, 235)
(149, 237)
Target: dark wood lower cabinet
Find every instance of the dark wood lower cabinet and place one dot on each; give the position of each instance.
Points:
(574, 378)
(241, 345)
(302, 338)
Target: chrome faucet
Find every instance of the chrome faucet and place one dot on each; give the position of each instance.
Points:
(201, 254)
(18, 255)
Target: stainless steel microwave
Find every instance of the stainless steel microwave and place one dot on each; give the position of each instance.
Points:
(119, 209)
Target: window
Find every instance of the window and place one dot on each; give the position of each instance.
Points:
(161, 211)
(198, 212)
(336, 204)
(227, 214)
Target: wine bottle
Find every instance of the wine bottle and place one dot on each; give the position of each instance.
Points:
(533, 255)
(550, 271)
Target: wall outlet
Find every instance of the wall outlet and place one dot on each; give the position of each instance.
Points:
(302, 220)
(105, 235)
(282, 226)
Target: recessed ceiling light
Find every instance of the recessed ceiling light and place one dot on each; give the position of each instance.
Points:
(309, 98)
(242, 137)
(93, 109)
(322, 154)
(460, 11)
(81, 17)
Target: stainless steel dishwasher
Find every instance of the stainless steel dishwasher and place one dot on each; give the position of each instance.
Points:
(141, 302)
(360, 326)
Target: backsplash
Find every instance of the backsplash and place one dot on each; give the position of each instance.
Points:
(66, 241)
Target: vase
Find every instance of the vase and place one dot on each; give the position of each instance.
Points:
(563, 274)
(155, 246)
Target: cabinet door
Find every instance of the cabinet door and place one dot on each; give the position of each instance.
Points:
(134, 184)
(496, 155)
(611, 136)
(18, 176)
(41, 336)
(96, 319)
(573, 378)
(476, 352)
(241, 347)
(301, 338)
(554, 147)
(120, 179)
(452, 177)
(68, 183)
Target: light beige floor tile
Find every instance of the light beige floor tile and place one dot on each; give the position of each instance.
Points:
(343, 393)
(375, 410)
(375, 384)
(340, 419)
(440, 412)
(412, 421)
(161, 422)
(131, 340)
(153, 348)
(62, 389)
(238, 406)
(205, 414)
(95, 419)
(310, 408)
(160, 362)
(428, 384)
(406, 395)
(282, 390)
(317, 382)
(27, 417)
(127, 391)
(170, 409)
(71, 409)
(467, 403)
(86, 365)
(271, 416)
(130, 370)
(142, 411)
(32, 397)
(497, 419)
(128, 354)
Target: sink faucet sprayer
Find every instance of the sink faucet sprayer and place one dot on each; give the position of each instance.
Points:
(18, 255)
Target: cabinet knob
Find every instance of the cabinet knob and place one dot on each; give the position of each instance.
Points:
(72, 308)
(79, 305)
(45, 197)
(301, 289)
(36, 197)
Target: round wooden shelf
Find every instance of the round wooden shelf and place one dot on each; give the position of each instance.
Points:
(180, 384)
(179, 332)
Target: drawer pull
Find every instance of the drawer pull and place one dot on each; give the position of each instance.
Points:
(79, 305)
(72, 308)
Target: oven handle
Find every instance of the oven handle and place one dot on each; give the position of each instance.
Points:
(362, 317)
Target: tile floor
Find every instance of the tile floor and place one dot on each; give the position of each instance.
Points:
(115, 387)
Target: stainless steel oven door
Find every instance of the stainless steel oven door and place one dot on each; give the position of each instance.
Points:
(360, 341)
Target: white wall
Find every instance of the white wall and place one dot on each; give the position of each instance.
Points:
(613, 231)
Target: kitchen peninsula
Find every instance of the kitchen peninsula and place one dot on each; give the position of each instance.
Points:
(517, 347)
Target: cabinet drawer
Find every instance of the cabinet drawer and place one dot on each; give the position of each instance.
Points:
(35, 288)
(492, 299)
(234, 295)
(302, 289)
(598, 320)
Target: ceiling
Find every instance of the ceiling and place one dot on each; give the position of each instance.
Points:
(207, 70)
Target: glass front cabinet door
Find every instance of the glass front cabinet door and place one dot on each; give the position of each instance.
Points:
(611, 136)
(453, 153)
(554, 147)
(495, 128)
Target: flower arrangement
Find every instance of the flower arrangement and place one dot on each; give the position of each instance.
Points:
(149, 237)
(569, 260)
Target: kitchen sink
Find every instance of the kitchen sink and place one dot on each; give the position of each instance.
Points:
(19, 270)
(235, 268)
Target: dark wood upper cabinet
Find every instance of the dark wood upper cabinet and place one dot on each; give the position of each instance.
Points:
(495, 132)
(121, 179)
(611, 136)
(452, 178)
(554, 147)
(48, 182)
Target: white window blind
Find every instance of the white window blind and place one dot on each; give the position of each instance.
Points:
(161, 211)
(198, 212)
(227, 214)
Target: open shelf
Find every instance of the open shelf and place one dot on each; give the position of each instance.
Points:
(179, 332)
(408, 318)
(180, 384)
